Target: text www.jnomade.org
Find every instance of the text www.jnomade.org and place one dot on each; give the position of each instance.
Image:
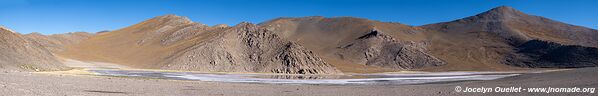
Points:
(521, 89)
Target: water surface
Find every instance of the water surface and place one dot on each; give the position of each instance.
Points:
(386, 78)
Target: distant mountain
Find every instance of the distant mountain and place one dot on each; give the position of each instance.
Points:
(518, 27)
(174, 42)
(21, 54)
(57, 42)
(492, 37)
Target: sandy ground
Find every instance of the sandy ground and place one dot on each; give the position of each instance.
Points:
(21, 83)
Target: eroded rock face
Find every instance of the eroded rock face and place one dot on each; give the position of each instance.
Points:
(545, 54)
(377, 49)
(18, 53)
(247, 48)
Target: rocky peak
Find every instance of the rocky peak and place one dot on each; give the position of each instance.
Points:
(504, 9)
(220, 26)
(245, 26)
(172, 17)
(499, 13)
(375, 34)
(173, 20)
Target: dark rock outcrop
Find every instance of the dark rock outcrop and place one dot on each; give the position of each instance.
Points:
(377, 49)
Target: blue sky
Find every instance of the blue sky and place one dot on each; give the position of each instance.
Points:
(60, 16)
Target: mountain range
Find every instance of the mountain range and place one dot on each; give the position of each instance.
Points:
(502, 38)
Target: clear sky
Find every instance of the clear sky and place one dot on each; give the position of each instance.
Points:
(60, 16)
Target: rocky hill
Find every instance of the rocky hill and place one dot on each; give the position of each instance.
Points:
(21, 54)
(174, 42)
(248, 48)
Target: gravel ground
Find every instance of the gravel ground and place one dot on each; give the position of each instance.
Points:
(43, 84)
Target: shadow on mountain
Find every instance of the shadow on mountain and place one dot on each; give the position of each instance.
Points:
(544, 54)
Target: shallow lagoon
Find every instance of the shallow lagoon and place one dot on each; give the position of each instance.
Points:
(380, 78)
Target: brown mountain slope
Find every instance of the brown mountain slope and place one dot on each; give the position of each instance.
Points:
(173, 42)
(56, 42)
(140, 45)
(356, 41)
(482, 42)
(488, 40)
(518, 27)
(18, 53)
